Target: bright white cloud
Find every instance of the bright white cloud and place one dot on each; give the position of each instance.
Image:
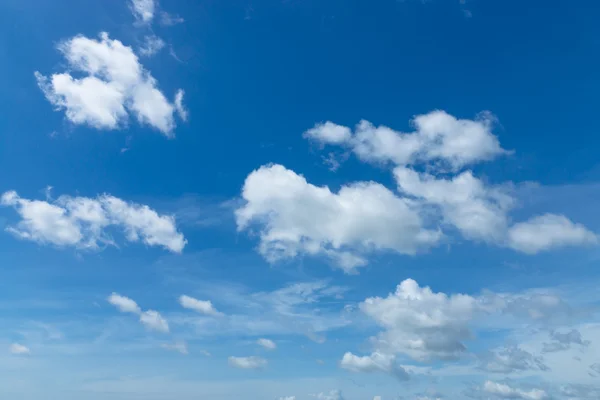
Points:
(82, 222)
(179, 347)
(154, 321)
(477, 211)
(124, 304)
(266, 343)
(150, 319)
(420, 323)
(549, 231)
(201, 306)
(376, 362)
(143, 10)
(295, 217)
(19, 349)
(504, 391)
(116, 86)
(247, 362)
(152, 45)
(439, 137)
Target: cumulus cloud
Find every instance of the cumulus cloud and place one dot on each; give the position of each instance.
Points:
(438, 136)
(549, 231)
(512, 359)
(295, 217)
(152, 45)
(247, 362)
(201, 306)
(19, 349)
(143, 10)
(267, 344)
(115, 85)
(504, 391)
(83, 222)
(150, 319)
(476, 210)
(421, 323)
(376, 362)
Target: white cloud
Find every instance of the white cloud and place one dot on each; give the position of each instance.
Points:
(82, 222)
(152, 45)
(438, 137)
(288, 398)
(376, 362)
(153, 320)
(124, 304)
(420, 323)
(477, 211)
(170, 20)
(201, 306)
(247, 362)
(548, 231)
(116, 86)
(329, 133)
(295, 217)
(179, 107)
(267, 344)
(143, 10)
(150, 318)
(179, 347)
(504, 391)
(19, 349)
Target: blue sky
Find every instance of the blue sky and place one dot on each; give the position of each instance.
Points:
(299, 200)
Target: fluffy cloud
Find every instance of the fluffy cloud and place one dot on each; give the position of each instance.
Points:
(376, 362)
(295, 217)
(115, 86)
(201, 306)
(420, 323)
(438, 136)
(503, 391)
(143, 10)
(82, 222)
(19, 349)
(477, 211)
(548, 231)
(150, 318)
(267, 344)
(512, 359)
(247, 362)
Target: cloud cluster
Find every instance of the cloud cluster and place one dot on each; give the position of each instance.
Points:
(84, 222)
(438, 137)
(434, 197)
(114, 86)
(143, 10)
(295, 217)
(150, 319)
